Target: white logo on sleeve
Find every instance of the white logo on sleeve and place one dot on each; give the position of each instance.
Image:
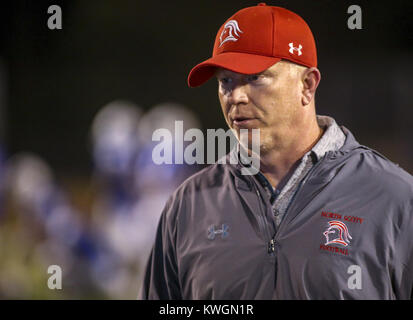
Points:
(231, 32)
(294, 49)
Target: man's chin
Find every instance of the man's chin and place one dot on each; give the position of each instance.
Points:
(262, 146)
(264, 149)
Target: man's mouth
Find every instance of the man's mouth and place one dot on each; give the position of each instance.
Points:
(243, 121)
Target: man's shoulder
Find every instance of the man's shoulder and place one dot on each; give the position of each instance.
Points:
(211, 176)
(386, 166)
(378, 170)
(372, 166)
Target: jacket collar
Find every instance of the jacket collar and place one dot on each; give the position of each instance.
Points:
(350, 144)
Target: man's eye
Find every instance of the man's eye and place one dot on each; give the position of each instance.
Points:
(253, 77)
(225, 80)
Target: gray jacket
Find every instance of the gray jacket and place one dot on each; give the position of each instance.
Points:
(348, 234)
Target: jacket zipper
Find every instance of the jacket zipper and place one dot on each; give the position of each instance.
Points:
(272, 240)
(264, 223)
(306, 178)
(271, 245)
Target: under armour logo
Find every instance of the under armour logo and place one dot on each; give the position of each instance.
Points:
(212, 232)
(298, 49)
(230, 27)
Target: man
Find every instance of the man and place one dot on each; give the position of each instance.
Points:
(325, 218)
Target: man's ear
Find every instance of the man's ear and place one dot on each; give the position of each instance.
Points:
(311, 78)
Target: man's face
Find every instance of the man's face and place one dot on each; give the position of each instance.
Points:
(269, 101)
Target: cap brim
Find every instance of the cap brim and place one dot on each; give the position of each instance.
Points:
(234, 61)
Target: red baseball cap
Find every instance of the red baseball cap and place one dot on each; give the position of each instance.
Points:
(254, 39)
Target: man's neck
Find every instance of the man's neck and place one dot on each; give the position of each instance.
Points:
(277, 165)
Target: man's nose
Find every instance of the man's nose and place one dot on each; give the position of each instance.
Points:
(238, 95)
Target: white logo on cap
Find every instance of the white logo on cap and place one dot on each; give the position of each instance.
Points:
(230, 27)
(293, 49)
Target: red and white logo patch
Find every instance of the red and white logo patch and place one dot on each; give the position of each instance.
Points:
(337, 233)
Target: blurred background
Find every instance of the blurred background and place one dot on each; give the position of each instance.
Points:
(78, 106)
